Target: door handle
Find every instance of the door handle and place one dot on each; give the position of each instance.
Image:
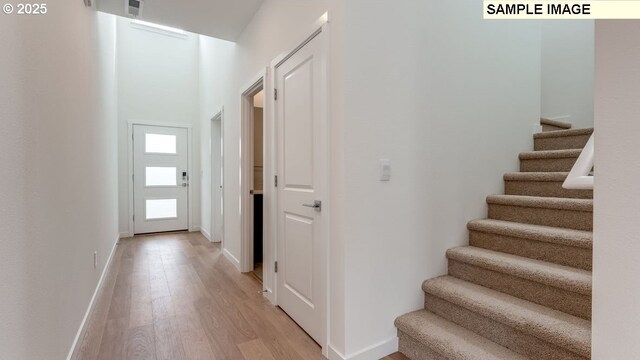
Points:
(317, 205)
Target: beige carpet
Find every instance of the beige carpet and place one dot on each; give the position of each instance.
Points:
(522, 288)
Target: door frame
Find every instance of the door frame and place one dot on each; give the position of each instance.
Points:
(130, 158)
(257, 83)
(320, 26)
(220, 116)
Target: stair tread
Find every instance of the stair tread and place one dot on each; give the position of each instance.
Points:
(542, 202)
(550, 234)
(550, 154)
(559, 276)
(450, 340)
(564, 330)
(563, 133)
(535, 176)
(561, 124)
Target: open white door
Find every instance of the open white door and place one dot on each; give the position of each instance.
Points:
(301, 121)
(160, 161)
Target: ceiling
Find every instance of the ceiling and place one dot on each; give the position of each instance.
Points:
(223, 19)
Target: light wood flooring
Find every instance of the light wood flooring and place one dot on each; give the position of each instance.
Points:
(175, 296)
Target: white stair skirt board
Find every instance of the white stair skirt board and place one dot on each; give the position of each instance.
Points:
(375, 351)
(579, 177)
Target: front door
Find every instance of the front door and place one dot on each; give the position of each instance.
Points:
(302, 187)
(160, 181)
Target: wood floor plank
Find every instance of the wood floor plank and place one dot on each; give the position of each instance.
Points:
(255, 350)
(175, 296)
(272, 337)
(113, 339)
(140, 343)
(168, 341)
(121, 298)
(163, 307)
(193, 336)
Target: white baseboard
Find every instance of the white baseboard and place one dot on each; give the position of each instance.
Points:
(231, 258)
(206, 234)
(125, 235)
(333, 354)
(93, 299)
(375, 351)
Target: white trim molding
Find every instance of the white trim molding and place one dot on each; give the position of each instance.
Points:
(206, 234)
(83, 324)
(375, 351)
(231, 258)
(130, 160)
(246, 166)
(213, 223)
(580, 176)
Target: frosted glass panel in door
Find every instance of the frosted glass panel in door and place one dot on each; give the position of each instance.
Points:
(160, 176)
(161, 209)
(159, 144)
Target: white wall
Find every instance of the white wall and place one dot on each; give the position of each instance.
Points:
(455, 99)
(58, 194)
(616, 249)
(157, 82)
(214, 63)
(567, 71)
(276, 28)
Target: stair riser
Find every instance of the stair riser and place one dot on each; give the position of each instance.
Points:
(552, 297)
(415, 350)
(545, 189)
(547, 165)
(555, 253)
(504, 335)
(579, 220)
(561, 142)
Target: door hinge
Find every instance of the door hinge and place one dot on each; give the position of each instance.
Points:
(275, 181)
(134, 218)
(275, 267)
(275, 94)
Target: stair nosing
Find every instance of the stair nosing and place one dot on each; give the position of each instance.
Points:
(549, 234)
(543, 272)
(514, 312)
(542, 202)
(556, 123)
(539, 176)
(451, 334)
(550, 154)
(563, 133)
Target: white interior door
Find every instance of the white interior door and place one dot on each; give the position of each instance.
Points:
(160, 182)
(302, 181)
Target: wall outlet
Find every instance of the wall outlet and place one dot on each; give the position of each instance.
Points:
(95, 259)
(385, 169)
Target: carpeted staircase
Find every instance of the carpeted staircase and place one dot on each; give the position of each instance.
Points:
(522, 288)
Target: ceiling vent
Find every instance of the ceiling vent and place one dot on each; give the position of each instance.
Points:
(133, 7)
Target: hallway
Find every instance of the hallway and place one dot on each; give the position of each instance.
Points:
(175, 296)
